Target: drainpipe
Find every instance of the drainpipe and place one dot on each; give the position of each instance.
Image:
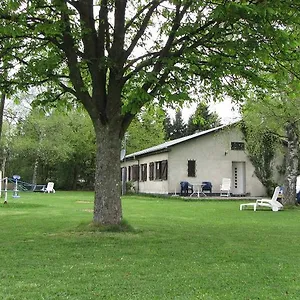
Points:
(138, 182)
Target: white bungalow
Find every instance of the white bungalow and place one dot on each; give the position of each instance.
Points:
(209, 155)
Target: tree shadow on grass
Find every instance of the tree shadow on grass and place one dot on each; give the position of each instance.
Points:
(124, 227)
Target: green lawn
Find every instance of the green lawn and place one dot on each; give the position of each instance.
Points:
(178, 250)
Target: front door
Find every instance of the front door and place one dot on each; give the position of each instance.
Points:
(238, 186)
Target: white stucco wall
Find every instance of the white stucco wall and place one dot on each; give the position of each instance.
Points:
(214, 157)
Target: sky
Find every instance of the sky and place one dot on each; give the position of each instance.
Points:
(227, 111)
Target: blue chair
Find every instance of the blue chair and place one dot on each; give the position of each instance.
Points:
(185, 187)
(206, 186)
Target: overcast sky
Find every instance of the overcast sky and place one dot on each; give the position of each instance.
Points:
(227, 111)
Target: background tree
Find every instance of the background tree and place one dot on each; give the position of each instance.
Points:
(276, 115)
(168, 127)
(54, 146)
(38, 142)
(178, 126)
(262, 149)
(7, 136)
(146, 130)
(115, 57)
(77, 171)
(202, 119)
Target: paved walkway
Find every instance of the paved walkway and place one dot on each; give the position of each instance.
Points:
(239, 198)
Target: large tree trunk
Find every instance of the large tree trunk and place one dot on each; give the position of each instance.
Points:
(289, 197)
(107, 205)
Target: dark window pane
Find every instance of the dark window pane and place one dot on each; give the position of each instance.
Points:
(144, 172)
(158, 170)
(164, 170)
(191, 168)
(135, 172)
(237, 146)
(151, 171)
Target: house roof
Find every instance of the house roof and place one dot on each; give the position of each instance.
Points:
(165, 146)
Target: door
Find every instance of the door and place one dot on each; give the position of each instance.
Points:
(238, 186)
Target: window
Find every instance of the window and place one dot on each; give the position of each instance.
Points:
(151, 171)
(144, 172)
(191, 168)
(123, 173)
(158, 170)
(135, 173)
(164, 170)
(237, 146)
(129, 173)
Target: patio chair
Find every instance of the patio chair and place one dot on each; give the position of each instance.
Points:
(225, 187)
(271, 203)
(206, 186)
(49, 188)
(185, 187)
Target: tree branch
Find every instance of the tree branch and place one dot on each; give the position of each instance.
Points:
(143, 26)
(94, 49)
(68, 46)
(117, 49)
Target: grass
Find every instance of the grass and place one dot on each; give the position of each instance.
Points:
(176, 250)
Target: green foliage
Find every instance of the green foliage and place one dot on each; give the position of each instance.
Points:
(168, 127)
(271, 117)
(146, 130)
(214, 48)
(175, 128)
(61, 144)
(178, 126)
(202, 119)
(261, 148)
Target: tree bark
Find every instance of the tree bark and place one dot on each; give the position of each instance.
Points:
(289, 196)
(107, 204)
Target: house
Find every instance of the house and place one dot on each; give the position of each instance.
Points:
(209, 155)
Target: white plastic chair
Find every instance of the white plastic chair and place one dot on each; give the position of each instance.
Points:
(271, 203)
(225, 187)
(49, 188)
(298, 184)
